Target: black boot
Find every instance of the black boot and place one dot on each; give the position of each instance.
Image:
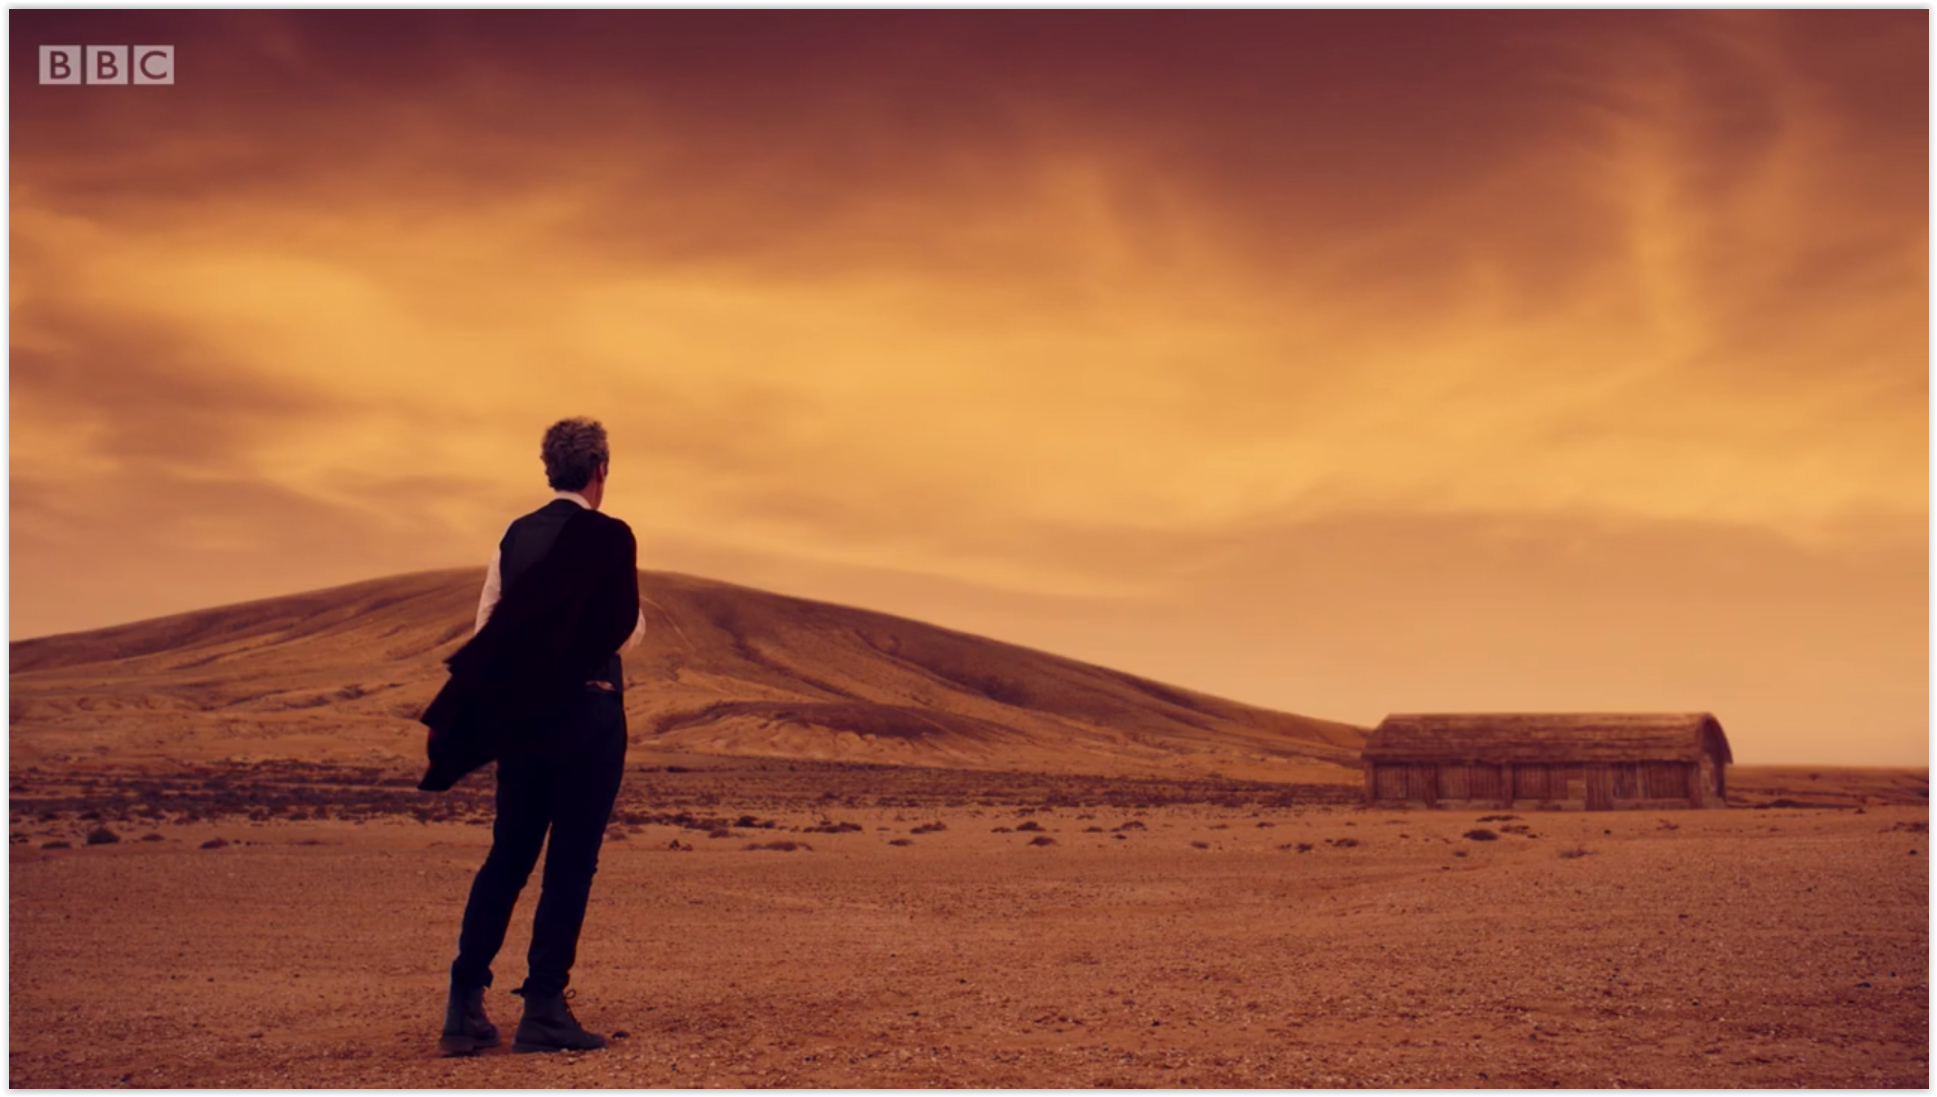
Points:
(548, 1025)
(466, 1028)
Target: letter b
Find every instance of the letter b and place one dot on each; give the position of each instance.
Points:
(107, 64)
(60, 64)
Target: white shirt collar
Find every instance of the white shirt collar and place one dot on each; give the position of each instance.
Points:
(573, 496)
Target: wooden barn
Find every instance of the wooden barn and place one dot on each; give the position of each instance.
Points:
(1596, 761)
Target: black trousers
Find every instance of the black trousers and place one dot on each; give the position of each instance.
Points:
(566, 784)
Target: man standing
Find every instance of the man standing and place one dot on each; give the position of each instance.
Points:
(540, 688)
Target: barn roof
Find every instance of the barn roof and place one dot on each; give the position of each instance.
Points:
(1545, 737)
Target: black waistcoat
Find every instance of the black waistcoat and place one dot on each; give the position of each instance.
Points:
(526, 541)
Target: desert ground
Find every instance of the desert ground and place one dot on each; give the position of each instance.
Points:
(859, 850)
(761, 922)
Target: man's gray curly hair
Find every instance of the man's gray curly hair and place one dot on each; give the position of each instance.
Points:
(573, 450)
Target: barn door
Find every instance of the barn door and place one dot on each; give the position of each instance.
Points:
(1600, 788)
(1425, 783)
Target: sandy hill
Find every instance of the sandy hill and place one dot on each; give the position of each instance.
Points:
(341, 674)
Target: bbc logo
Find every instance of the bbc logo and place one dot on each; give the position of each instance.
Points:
(107, 64)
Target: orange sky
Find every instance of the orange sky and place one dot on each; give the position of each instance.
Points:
(1343, 362)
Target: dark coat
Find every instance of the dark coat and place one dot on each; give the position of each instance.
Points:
(553, 630)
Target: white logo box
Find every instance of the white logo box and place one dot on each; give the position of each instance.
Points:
(107, 64)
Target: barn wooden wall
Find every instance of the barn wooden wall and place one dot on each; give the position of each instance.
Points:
(1597, 786)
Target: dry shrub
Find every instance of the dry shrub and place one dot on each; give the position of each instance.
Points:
(151, 837)
(901, 841)
(1042, 840)
(1576, 852)
(999, 830)
(1496, 818)
(55, 845)
(1030, 825)
(1199, 844)
(1134, 824)
(216, 843)
(1481, 834)
(929, 828)
(719, 832)
(102, 836)
(1342, 843)
(1092, 830)
(781, 845)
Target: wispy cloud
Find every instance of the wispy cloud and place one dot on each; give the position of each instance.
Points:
(1014, 302)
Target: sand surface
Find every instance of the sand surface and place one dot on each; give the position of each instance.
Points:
(1172, 935)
